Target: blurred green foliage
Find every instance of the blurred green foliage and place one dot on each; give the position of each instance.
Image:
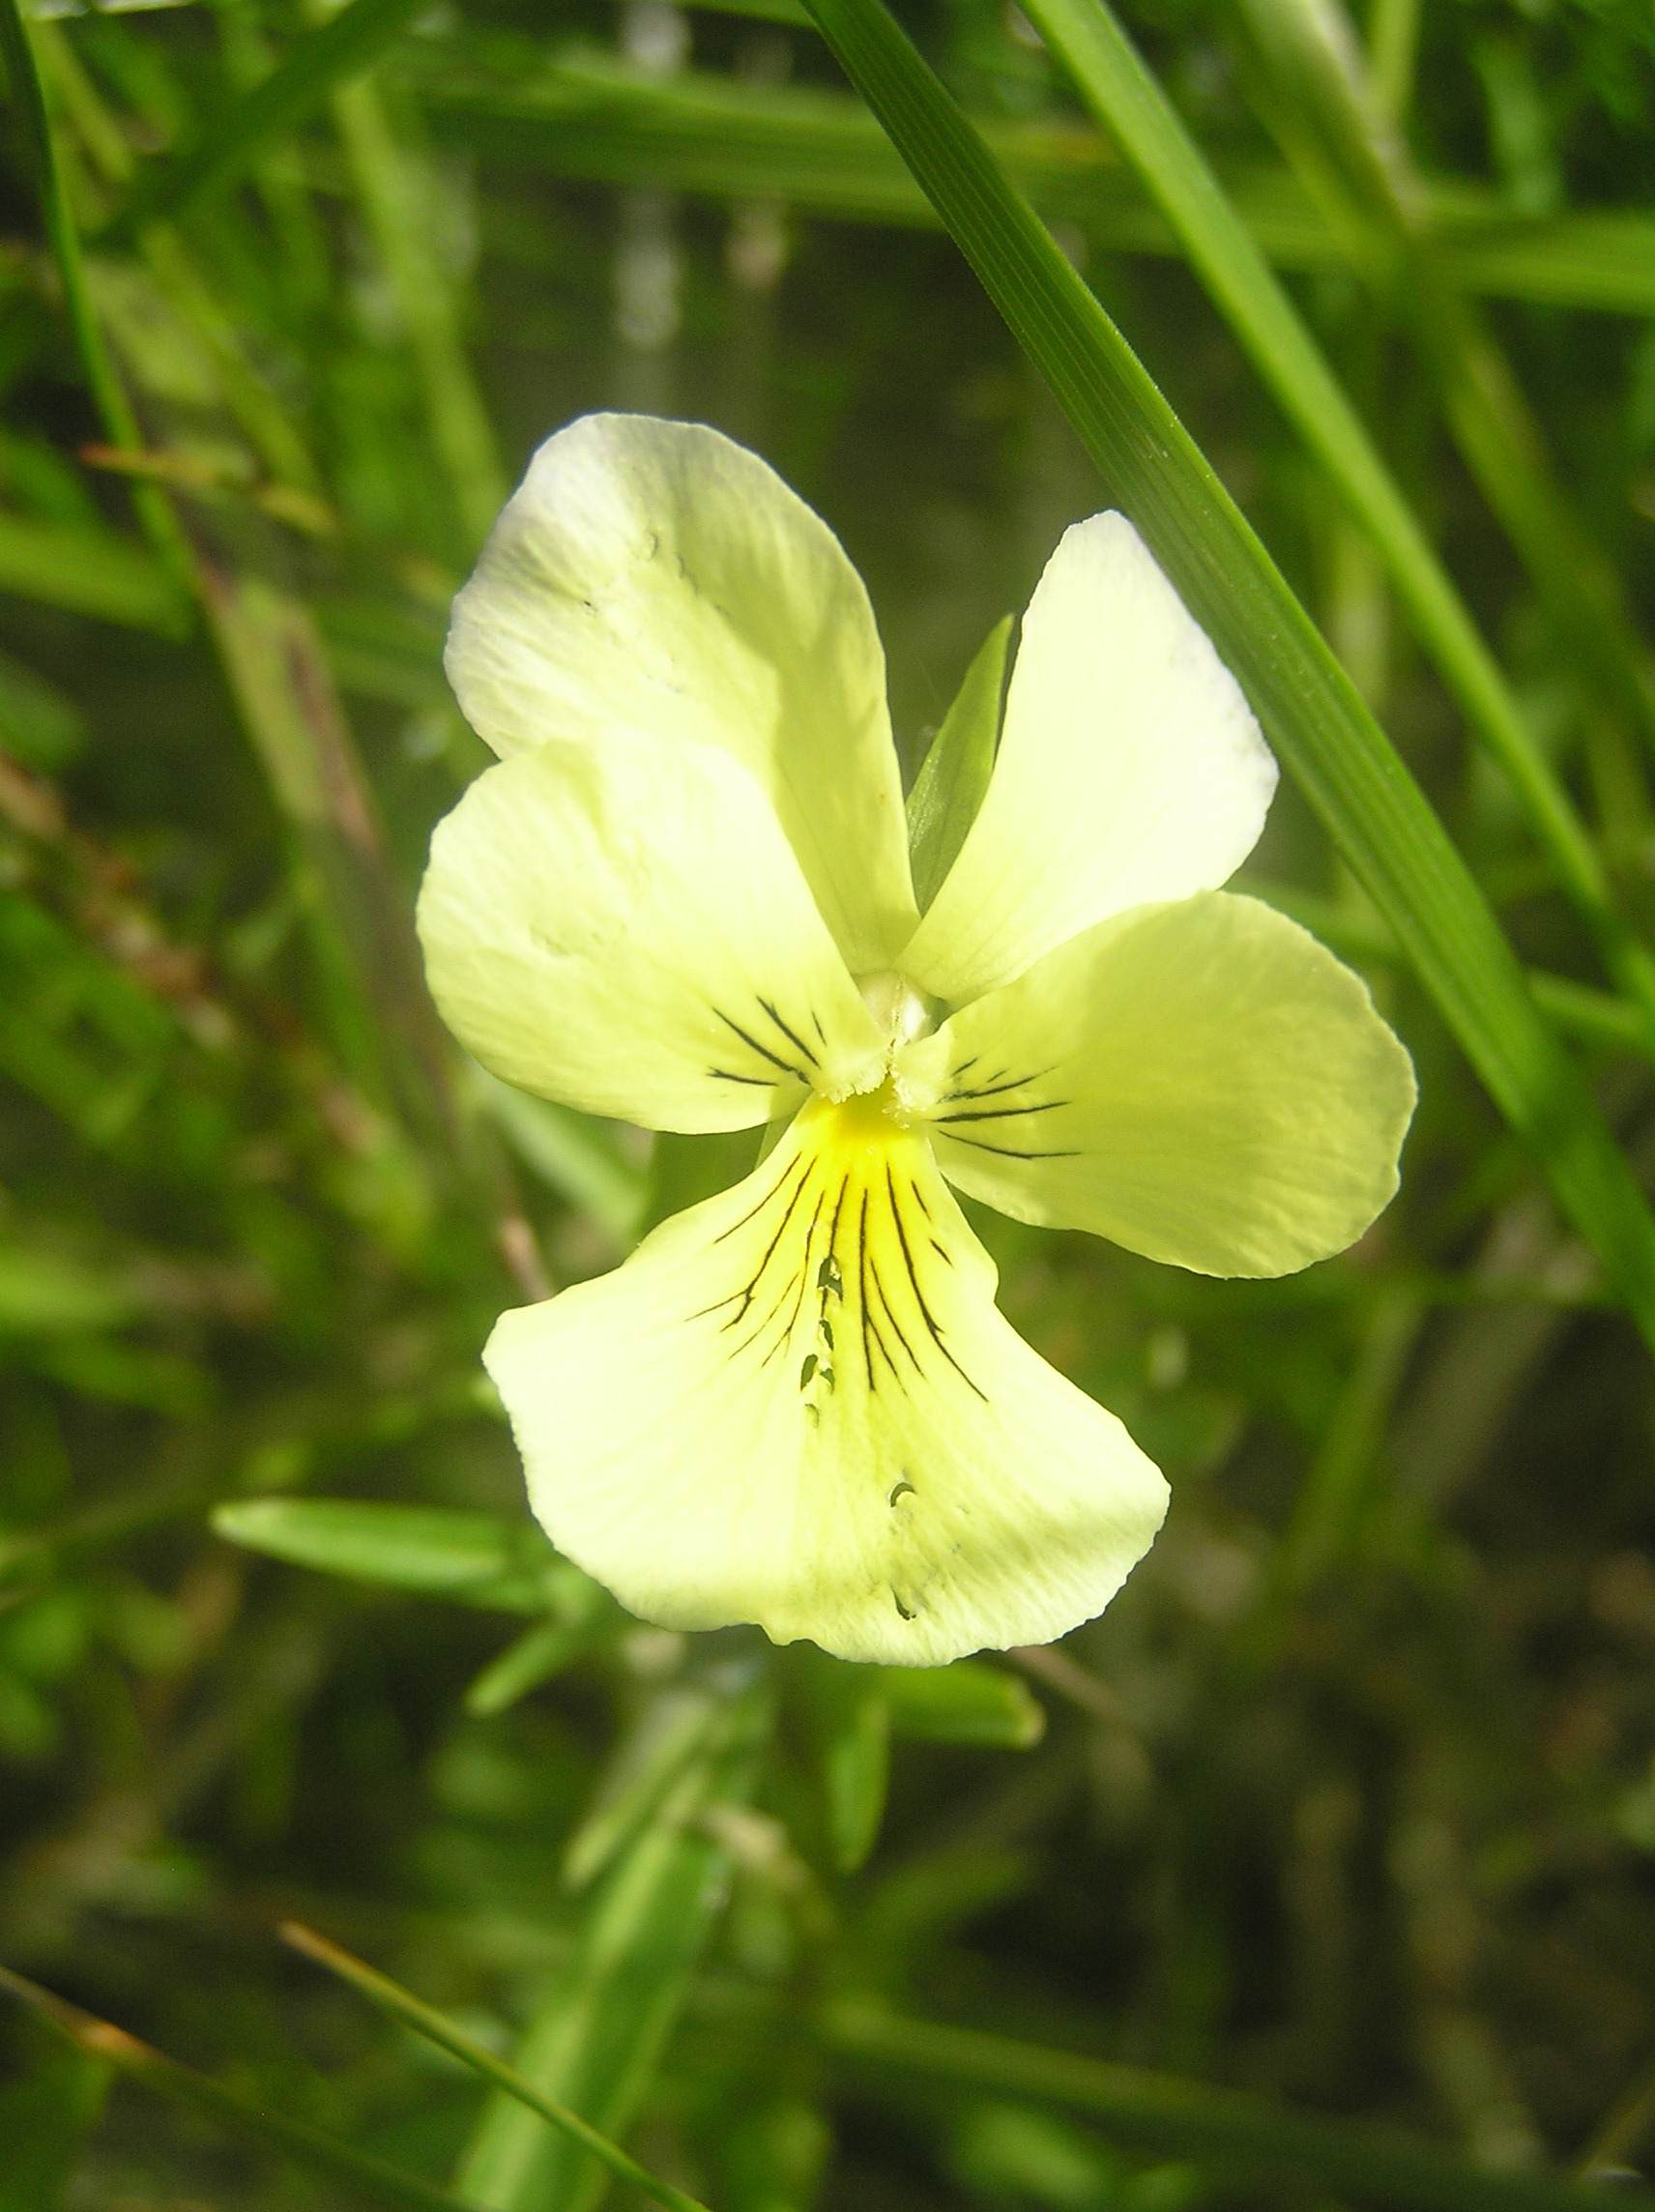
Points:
(1348, 1802)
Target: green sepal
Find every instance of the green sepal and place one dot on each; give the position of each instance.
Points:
(954, 774)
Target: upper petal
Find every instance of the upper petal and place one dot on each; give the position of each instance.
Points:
(1202, 1082)
(798, 1405)
(624, 928)
(653, 576)
(1130, 768)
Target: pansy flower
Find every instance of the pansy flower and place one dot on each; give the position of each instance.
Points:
(683, 898)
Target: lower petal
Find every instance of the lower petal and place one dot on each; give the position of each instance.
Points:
(798, 1405)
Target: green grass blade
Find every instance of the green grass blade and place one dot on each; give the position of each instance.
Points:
(1128, 103)
(425, 2021)
(108, 393)
(369, 2180)
(1324, 735)
(1160, 2113)
(587, 116)
(1599, 260)
(340, 50)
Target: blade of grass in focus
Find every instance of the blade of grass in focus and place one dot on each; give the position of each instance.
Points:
(598, 2038)
(1315, 720)
(426, 2020)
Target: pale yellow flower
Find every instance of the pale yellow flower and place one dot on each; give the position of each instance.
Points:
(683, 898)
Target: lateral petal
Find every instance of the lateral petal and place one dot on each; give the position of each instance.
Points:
(798, 1405)
(653, 576)
(1202, 1082)
(624, 928)
(1130, 768)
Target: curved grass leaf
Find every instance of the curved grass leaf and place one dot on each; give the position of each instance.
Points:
(1315, 719)
(424, 2020)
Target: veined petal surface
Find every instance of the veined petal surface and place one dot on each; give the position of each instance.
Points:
(1130, 768)
(653, 576)
(624, 928)
(1202, 1082)
(797, 1404)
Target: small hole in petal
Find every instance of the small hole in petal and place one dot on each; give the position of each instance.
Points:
(807, 1370)
(901, 1607)
(904, 1489)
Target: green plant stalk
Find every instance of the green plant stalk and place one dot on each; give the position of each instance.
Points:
(1330, 743)
(425, 2021)
(1316, 102)
(583, 116)
(1128, 103)
(108, 392)
(1187, 2119)
(375, 2182)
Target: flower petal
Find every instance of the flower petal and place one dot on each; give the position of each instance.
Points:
(798, 1405)
(1130, 769)
(624, 928)
(1202, 1082)
(653, 576)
